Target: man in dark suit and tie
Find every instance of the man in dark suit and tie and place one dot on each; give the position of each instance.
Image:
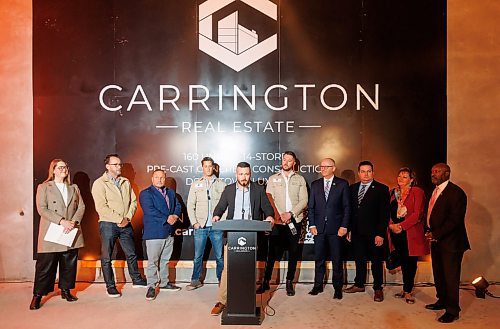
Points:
(370, 217)
(329, 212)
(448, 236)
(242, 200)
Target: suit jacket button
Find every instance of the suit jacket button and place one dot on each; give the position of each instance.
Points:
(55, 210)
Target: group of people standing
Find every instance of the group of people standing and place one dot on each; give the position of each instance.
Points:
(366, 213)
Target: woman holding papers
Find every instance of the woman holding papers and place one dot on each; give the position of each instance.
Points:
(61, 208)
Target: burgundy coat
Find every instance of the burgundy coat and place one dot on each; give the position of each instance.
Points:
(414, 223)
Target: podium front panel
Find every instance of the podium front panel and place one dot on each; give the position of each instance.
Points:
(242, 251)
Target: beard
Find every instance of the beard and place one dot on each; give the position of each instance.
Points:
(243, 182)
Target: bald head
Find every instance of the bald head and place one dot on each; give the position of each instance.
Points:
(440, 173)
(327, 167)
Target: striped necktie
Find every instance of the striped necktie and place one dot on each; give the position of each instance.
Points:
(165, 196)
(327, 189)
(361, 193)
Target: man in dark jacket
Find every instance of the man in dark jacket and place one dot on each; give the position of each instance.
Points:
(448, 236)
(370, 217)
(242, 200)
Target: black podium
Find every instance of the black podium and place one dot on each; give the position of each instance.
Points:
(241, 258)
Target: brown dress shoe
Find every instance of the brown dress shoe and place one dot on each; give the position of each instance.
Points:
(379, 295)
(353, 289)
(218, 308)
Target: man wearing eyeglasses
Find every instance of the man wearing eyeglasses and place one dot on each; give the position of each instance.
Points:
(329, 215)
(204, 194)
(116, 203)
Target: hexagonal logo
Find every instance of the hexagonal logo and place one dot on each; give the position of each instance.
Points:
(242, 241)
(236, 46)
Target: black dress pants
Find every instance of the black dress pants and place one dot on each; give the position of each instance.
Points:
(46, 270)
(282, 239)
(365, 250)
(446, 268)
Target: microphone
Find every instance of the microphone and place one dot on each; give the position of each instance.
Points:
(243, 205)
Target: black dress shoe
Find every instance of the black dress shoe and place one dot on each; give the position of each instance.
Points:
(263, 287)
(316, 290)
(66, 294)
(435, 307)
(337, 294)
(35, 302)
(448, 318)
(289, 288)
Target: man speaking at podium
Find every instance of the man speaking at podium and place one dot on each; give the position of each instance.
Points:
(242, 200)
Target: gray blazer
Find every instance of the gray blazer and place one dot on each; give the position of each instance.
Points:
(51, 207)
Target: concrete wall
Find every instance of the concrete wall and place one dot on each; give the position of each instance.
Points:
(16, 140)
(473, 126)
(473, 93)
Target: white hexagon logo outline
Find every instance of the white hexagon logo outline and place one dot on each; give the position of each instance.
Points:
(235, 59)
(242, 241)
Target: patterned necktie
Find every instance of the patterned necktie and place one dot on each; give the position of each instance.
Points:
(164, 192)
(361, 193)
(327, 189)
(432, 201)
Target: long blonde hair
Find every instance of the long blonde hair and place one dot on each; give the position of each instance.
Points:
(52, 167)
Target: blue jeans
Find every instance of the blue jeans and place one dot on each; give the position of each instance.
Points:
(109, 233)
(200, 241)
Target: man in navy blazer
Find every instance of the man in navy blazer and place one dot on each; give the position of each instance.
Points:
(161, 210)
(370, 211)
(329, 215)
(449, 241)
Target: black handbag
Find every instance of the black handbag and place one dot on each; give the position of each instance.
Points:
(393, 260)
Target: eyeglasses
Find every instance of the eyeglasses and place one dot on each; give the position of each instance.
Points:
(61, 168)
(116, 164)
(325, 167)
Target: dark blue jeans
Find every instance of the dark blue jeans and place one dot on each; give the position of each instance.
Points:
(109, 233)
(200, 241)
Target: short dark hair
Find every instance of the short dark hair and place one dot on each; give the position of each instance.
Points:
(207, 159)
(109, 156)
(158, 169)
(243, 164)
(413, 175)
(290, 153)
(365, 163)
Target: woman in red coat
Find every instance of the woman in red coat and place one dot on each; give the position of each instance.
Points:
(406, 228)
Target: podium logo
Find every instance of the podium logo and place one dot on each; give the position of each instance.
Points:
(242, 241)
(236, 46)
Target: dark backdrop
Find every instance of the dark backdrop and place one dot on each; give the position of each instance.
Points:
(82, 46)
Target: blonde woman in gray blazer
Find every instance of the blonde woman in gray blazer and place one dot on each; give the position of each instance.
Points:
(57, 202)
